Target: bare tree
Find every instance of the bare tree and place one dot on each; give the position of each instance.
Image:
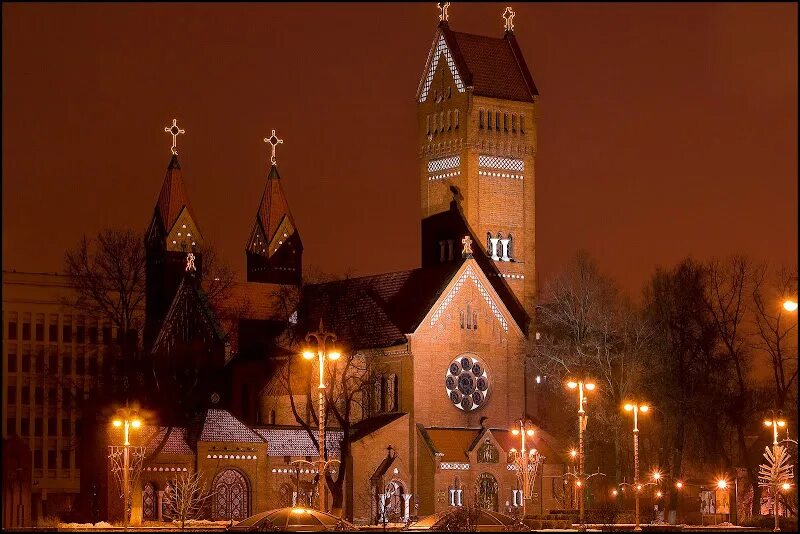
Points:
(586, 326)
(186, 496)
(774, 329)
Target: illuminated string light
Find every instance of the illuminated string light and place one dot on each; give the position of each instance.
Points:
(273, 142)
(175, 131)
(190, 267)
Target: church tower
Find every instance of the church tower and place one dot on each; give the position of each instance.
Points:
(172, 234)
(274, 250)
(476, 109)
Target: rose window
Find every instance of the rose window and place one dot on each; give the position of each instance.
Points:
(467, 383)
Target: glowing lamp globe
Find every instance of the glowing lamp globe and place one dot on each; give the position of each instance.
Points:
(590, 386)
(790, 305)
(116, 422)
(530, 432)
(515, 432)
(786, 486)
(334, 355)
(136, 423)
(644, 409)
(615, 493)
(722, 484)
(572, 385)
(656, 475)
(629, 407)
(679, 485)
(781, 424)
(308, 355)
(767, 423)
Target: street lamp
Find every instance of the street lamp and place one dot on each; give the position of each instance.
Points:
(526, 429)
(321, 337)
(790, 305)
(636, 408)
(582, 387)
(126, 421)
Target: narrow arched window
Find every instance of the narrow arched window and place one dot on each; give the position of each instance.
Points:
(480, 119)
(488, 120)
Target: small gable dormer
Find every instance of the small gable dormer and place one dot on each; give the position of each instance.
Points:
(274, 249)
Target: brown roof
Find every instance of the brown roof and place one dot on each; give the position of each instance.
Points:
(375, 311)
(220, 425)
(492, 66)
(166, 440)
(272, 210)
(453, 443)
(173, 198)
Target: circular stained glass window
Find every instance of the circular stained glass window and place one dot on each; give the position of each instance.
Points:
(466, 383)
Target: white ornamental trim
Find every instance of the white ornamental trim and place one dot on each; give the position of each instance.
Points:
(232, 457)
(468, 273)
(442, 164)
(443, 176)
(497, 162)
(454, 466)
(501, 175)
(441, 48)
(162, 468)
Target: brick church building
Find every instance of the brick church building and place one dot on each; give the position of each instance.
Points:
(440, 349)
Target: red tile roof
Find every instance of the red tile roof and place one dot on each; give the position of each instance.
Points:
(220, 425)
(492, 66)
(166, 440)
(454, 443)
(296, 442)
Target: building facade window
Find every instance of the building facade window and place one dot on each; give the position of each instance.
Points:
(25, 427)
(26, 359)
(51, 459)
(51, 426)
(37, 459)
(26, 327)
(37, 427)
(480, 119)
(39, 333)
(11, 395)
(93, 335)
(66, 428)
(12, 359)
(52, 334)
(26, 395)
(66, 329)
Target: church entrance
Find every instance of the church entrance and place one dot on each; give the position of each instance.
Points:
(487, 491)
(395, 501)
(230, 495)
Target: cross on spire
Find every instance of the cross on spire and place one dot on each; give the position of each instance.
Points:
(443, 11)
(273, 142)
(175, 130)
(508, 17)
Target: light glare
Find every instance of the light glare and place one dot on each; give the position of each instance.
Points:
(572, 385)
(308, 355)
(116, 422)
(790, 305)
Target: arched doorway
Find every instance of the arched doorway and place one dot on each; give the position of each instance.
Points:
(231, 495)
(149, 502)
(487, 491)
(395, 502)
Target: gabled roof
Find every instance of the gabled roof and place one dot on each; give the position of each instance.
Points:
(220, 425)
(375, 311)
(189, 298)
(167, 440)
(373, 424)
(491, 66)
(453, 443)
(294, 441)
(172, 198)
(273, 215)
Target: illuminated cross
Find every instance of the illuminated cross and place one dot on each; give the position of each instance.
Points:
(508, 16)
(190, 263)
(175, 131)
(443, 11)
(467, 241)
(273, 141)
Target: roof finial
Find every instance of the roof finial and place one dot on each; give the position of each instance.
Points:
(443, 11)
(273, 141)
(467, 242)
(175, 131)
(508, 17)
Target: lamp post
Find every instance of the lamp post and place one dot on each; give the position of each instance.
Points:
(775, 421)
(636, 408)
(126, 422)
(525, 429)
(583, 387)
(321, 337)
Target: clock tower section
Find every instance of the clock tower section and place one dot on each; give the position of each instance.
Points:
(476, 109)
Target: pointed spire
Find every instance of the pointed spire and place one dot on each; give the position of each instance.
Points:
(173, 198)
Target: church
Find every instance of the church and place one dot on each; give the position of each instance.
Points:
(431, 379)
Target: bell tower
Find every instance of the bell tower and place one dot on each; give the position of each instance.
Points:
(476, 108)
(173, 232)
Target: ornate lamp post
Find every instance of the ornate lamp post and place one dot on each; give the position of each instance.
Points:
(323, 353)
(126, 422)
(525, 428)
(776, 421)
(636, 408)
(583, 387)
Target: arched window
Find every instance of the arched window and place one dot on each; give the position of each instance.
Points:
(480, 119)
(488, 120)
(455, 114)
(231, 495)
(149, 502)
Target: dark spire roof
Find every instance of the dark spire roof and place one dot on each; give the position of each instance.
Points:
(173, 198)
(491, 66)
(273, 212)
